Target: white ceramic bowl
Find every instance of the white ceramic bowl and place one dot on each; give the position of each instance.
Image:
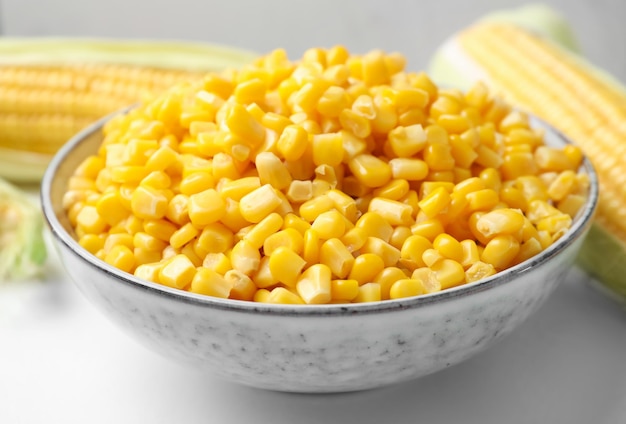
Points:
(325, 348)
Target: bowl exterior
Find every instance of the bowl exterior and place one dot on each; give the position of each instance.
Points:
(322, 352)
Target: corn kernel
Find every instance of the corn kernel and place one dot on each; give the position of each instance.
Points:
(259, 203)
(406, 287)
(314, 284)
(369, 292)
(177, 272)
(208, 282)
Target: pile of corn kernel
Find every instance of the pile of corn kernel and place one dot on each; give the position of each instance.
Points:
(337, 178)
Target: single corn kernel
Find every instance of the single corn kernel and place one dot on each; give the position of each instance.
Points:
(272, 170)
(314, 284)
(206, 207)
(500, 221)
(392, 211)
(435, 202)
(329, 224)
(449, 273)
(311, 247)
(259, 203)
(406, 287)
(261, 231)
(242, 286)
(336, 257)
(368, 292)
(470, 253)
(289, 237)
(370, 170)
(478, 271)
(177, 272)
(183, 235)
(245, 258)
(344, 290)
(121, 257)
(210, 283)
(281, 295)
(366, 267)
(314, 207)
(286, 265)
(90, 221)
(500, 251)
(389, 254)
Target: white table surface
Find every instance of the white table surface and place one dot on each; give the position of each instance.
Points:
(61, 361)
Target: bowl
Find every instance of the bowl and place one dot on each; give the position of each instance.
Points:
(310, 348)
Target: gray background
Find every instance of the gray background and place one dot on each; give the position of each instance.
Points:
(412, 27)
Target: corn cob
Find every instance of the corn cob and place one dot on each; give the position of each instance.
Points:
(546, 78)
(52, 88)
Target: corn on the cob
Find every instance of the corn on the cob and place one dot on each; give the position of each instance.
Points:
(52, 88)
(549, 80)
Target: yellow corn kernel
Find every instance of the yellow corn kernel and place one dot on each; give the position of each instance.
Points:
(121, 257)
(431, 257)
(157, 179)
(149, 203)
(272, 171)
(336, 257)
(435, 202)
(261, 231)
(478, 271)
(449, 273)
(300, 191)
(399, 236)
(366, 267)
(90, 221)
(92, 242)
(128, 174)
(344, 290)
(385, 279)
(462, 152)
(206, 207)
(406, 287)
(355, 123)
(562, 185)
(500, 251)
(236, 189)
(482, 200)
(242, 286)
(159, 228)
(370, 170)
(110, 207)
(143, 256)
(500, 221)
(250, 91)
(329, 224)
(311, 247)
(552, 159)
(259, 203)
(263, 277)
(438, 157)
(218, 262)
(196, 182)
(183, 235)
(527, 250)
(392, 211)
(210, 283)
(354, 239)
(406, 142)
(332, 102)
(449, 247)
(289, 237)
(313, 208)
(375, 226)
(412, 250)
(245, 258)
(281, 295)
(148, 271)
(428, 278)
(115, 239)
(327, 149)
(454, 124)
(292, 221)
(344, 204)
(314, 284)
(394, 189)
(428, 228)
(539, 209)
(243, 124)
(292, 143)
(532, 188)
(571, 204)
(408, 169)
(514, 198)
(286, 265)
(177, 272)
(517, 164)
(389, 254)
(556, 225)
(470, 254)
(368, 292)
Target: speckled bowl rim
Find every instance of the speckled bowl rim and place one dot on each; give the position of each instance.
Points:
(579, 228)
